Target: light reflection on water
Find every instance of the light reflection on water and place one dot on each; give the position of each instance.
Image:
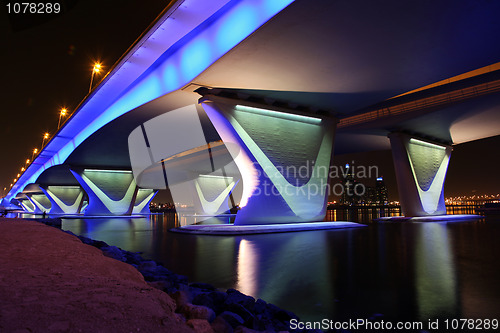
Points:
(405, 271)
(436, 286)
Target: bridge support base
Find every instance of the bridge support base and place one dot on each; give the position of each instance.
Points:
(64, 199)
(213, 194)
(40, 202)
(27, 205)
(142, 200)
(112, 192)
(283, 157)
(420, 167)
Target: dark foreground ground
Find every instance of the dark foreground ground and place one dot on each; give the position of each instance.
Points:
(52, 282)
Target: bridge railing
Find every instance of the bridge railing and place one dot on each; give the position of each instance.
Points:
(423, 103)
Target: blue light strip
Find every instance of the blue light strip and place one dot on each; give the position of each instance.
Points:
(186, 59)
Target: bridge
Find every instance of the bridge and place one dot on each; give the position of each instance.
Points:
(220, 97)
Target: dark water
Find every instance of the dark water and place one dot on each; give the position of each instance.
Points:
(403, 271)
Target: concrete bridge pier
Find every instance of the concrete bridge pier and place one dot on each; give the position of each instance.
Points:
(213, 194)
(112, 192)
(142, 201)
(420, 167)
(283, 157)
(25, 203)
(40, 202)
(27, 206)
(64, 199)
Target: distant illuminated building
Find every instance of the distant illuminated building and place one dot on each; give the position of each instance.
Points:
(370, 196)
(349, 196)
(382, 197)
(356, 193)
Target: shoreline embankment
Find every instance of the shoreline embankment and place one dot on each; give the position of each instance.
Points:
(53, 281)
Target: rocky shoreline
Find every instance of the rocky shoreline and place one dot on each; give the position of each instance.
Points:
(201, 305)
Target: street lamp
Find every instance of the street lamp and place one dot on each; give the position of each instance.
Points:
(62, 113)
(45, 137)
(34, 153)
(95, 69)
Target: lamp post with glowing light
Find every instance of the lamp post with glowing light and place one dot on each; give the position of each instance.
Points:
(62, 113)
(34, 153)
(45, 137)
(95, 69)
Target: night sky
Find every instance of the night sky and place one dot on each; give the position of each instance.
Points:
(46, 65)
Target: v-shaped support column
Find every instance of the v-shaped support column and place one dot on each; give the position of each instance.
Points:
(110, 192)
(213, 194)
(40, 202)
(420, 167)
(27, 205)
(64, 199)
(142, 201)
(284, 159)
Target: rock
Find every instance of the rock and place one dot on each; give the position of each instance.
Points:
(179, 317)
(147, 266)
(53, 222)
(240, 310)
(192, 311)
(181, 298)
(162, 270)
(200, 325)
(260, 306)
(194, 292)
(263, 323)
(280, 326)
(236, 297)
(220, 325)
(280, 314)
(113, 252)
(181, 279)
(204, 299)
(133, 258)
(214, 300)
(99, 244)
(232, 318)
(160, 285)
